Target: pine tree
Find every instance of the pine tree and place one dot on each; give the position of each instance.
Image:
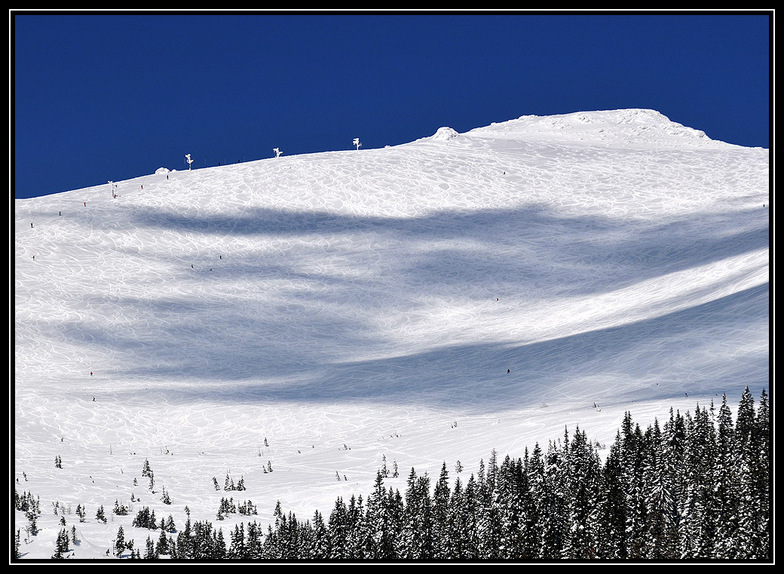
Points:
(379, 523)
(612, 504)
(395, 509)
(184, 545)
(416, 541)
(440, 513)
(62, 545)
(320, 548)
(510, 486)
(471, 511)
(631, 458)
(674, 465)
(163, 546)
(273, 544)
(120, 509)
(725, 480)
(253, 540)
(237, 549)
(555, 504)
(169, 526)
(537, 508)
(581, 477)
(489, 531)
(747, 544)
(489, 518)
(699, 514)
(456, 523)
(660, 526)
(218, 546)
(338, 531)
(32, 522)
(119, 543)
(762, 478)
(149, 551)
(358, 539)
(528, 516)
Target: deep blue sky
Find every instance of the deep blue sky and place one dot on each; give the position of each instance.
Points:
(114, 96)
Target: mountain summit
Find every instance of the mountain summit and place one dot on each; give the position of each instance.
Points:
(628, 128)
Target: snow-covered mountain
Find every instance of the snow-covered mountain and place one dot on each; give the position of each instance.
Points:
(323, 314)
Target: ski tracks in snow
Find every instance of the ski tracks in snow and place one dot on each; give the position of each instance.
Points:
(425, 302)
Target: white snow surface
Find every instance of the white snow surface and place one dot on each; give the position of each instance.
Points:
(422, 303)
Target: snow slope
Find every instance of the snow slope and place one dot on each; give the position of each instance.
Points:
(421, 303)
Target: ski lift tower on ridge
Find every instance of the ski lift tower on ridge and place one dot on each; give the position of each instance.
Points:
(356, 143)
(188, 160)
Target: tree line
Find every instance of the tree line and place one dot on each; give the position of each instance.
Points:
(696, 487)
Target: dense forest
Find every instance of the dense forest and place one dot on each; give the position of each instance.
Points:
(696, 487)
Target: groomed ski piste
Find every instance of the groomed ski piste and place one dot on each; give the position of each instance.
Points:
(300, 321)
